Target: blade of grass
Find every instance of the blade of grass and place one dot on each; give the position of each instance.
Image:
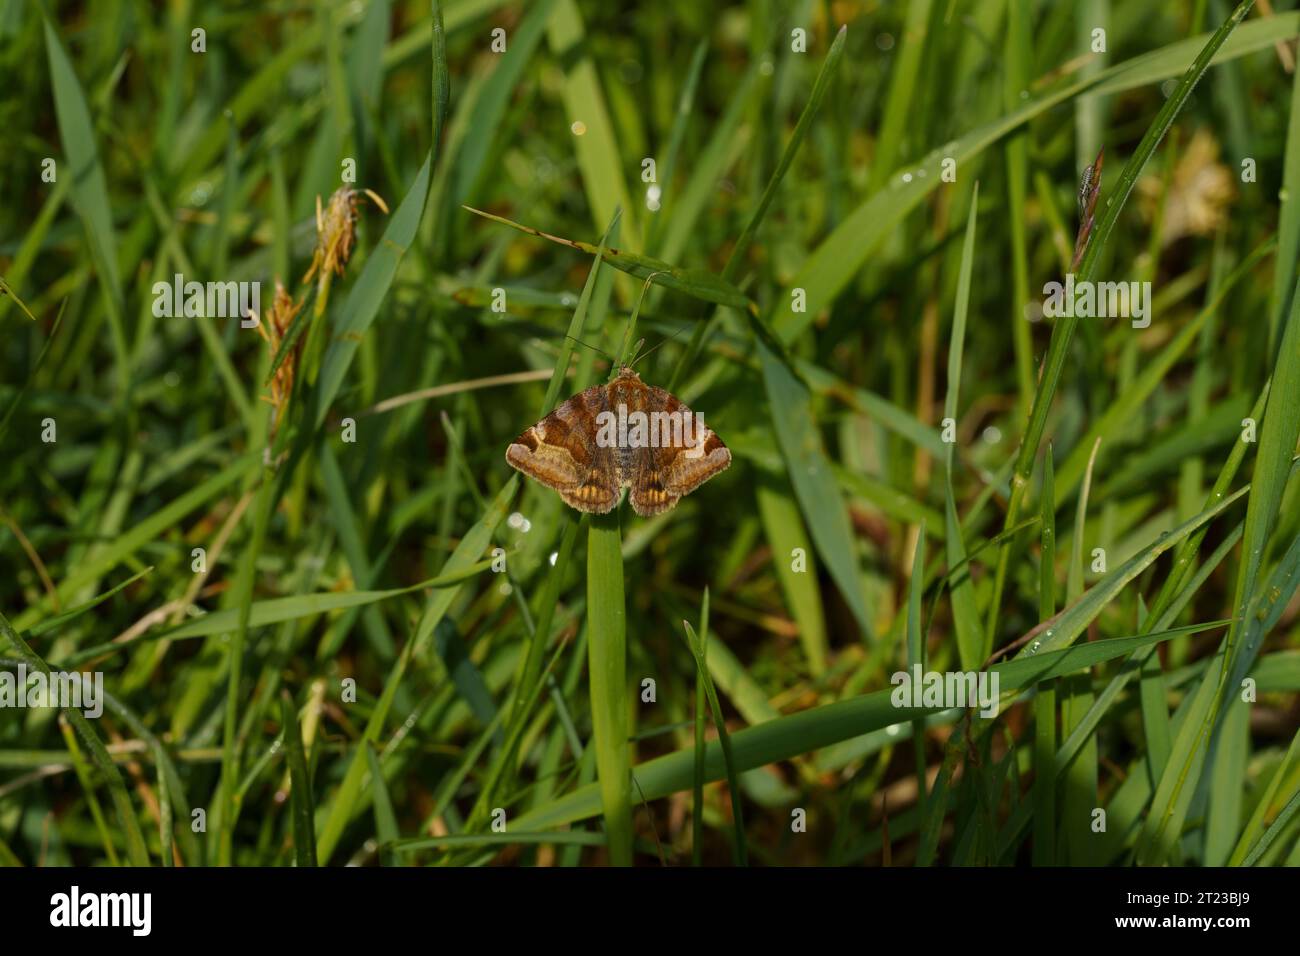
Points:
(1273, 467)
(699, 650)
(1044, 793)
(965, 612)
(471, 547)
(1063, 330)
(607, 679)
(701, 703)
(818, 727)
(300, 798)
(135, 846)
(89, 190)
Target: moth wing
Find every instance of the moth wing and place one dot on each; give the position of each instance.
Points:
(678, 462)
(561, 452)
(647, 493)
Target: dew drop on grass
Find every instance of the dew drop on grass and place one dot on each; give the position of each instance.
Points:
(578, 127)
(555, 556)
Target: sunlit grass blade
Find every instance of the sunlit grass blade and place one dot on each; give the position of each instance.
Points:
(607, 678)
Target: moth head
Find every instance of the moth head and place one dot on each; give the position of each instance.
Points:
(626, 371)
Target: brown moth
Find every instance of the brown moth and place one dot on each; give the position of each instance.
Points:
(625, 434)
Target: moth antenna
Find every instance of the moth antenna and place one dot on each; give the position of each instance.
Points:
(636, 350)
(611, 358)
(636, 311)
(652, 349)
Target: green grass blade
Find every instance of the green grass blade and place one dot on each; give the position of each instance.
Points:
(607, 677)
(699, 650)
(302, 806)
(135, 846)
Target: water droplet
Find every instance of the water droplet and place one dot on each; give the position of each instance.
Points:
(767, 68)
(992, 435)
(555, 556)
(884, 41)
(578, 127)
(907, 177)
(892, 730)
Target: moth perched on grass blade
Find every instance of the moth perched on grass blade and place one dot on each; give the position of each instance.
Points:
(625, 434)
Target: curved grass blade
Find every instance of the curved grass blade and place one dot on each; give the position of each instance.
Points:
(1063, 329)
(810, 730)
(693, 282)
